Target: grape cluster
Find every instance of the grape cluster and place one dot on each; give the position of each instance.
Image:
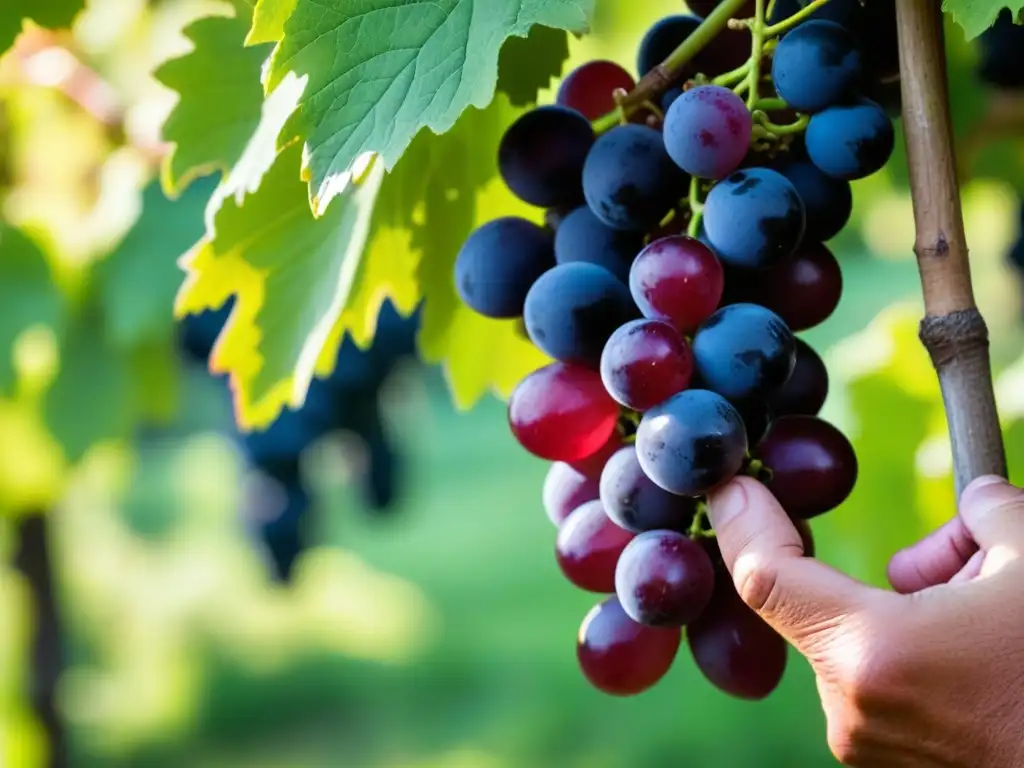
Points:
(682, 253)
(347, 400)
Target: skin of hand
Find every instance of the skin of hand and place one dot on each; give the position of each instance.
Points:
(931, 674)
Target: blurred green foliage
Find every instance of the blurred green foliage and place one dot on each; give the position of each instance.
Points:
(442, 637)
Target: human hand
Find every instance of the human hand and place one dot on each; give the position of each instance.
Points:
(929, 675)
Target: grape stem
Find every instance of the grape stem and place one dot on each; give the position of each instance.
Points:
(953, 330)
(782, 130)
(696, 208)
(786, 24)
(663, 76)
(770, 105)
(757, 30)
(734, 76)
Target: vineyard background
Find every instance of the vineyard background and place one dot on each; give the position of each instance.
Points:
(440, 635)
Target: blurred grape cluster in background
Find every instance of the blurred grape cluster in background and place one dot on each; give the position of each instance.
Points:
(372, 582)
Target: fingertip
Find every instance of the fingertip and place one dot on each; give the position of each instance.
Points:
(974, 489)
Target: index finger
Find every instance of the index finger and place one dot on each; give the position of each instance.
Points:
(762, 549)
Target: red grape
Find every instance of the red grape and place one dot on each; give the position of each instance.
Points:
(677, 279)
(807, 386)
(813, 466)
(707, 131)
(620, 656)
(664, 579)
(734, 648)
(803, 290)
(588, 547)
(593, 465)
(562, 413)
(645, 362)
(565, 489)
(588, 88)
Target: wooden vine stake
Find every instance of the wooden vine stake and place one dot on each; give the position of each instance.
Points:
(953, 330)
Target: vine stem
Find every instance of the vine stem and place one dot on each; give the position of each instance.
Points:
(953, 330)
(659, 79)
(34, 559)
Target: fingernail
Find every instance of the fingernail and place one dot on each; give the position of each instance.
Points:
(975, 492)
(726, 503)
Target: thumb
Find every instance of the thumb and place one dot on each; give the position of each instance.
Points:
(798, 596)
(992, 510)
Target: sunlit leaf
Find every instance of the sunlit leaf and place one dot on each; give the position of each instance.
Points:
(292, 275)
(220, 99)
(380, 71)
(268, 21)
(28, 296)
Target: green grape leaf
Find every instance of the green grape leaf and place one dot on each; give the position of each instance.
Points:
(92, 398)
(52, 14)
(28, 296)
(378, 72)
(291, 274)
(220, 102)
(975, 16)
(528, 64)
(138, 281)
(268, 21)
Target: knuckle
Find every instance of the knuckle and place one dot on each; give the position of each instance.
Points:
(757, 583)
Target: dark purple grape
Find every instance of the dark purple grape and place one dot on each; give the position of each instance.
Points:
(678, 279)
(664, 36)
(499, 262)
(588, 548)
(541, 156)
(707, 131)
(581, 236)
(806, 388)
(562, 413)
(664, 579)
(816, 65)
(691, 443)
(588, 89)
(621, 657)
(571, 311)
(629, 180)
(644, 363)
(813, 466)
(565, 489)
(734, 648)
(634, 502)
(827, 202)
(744, 352)
(757, 415)
(754, 218)
(850, 141)
(803, 290)
(669, 96)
